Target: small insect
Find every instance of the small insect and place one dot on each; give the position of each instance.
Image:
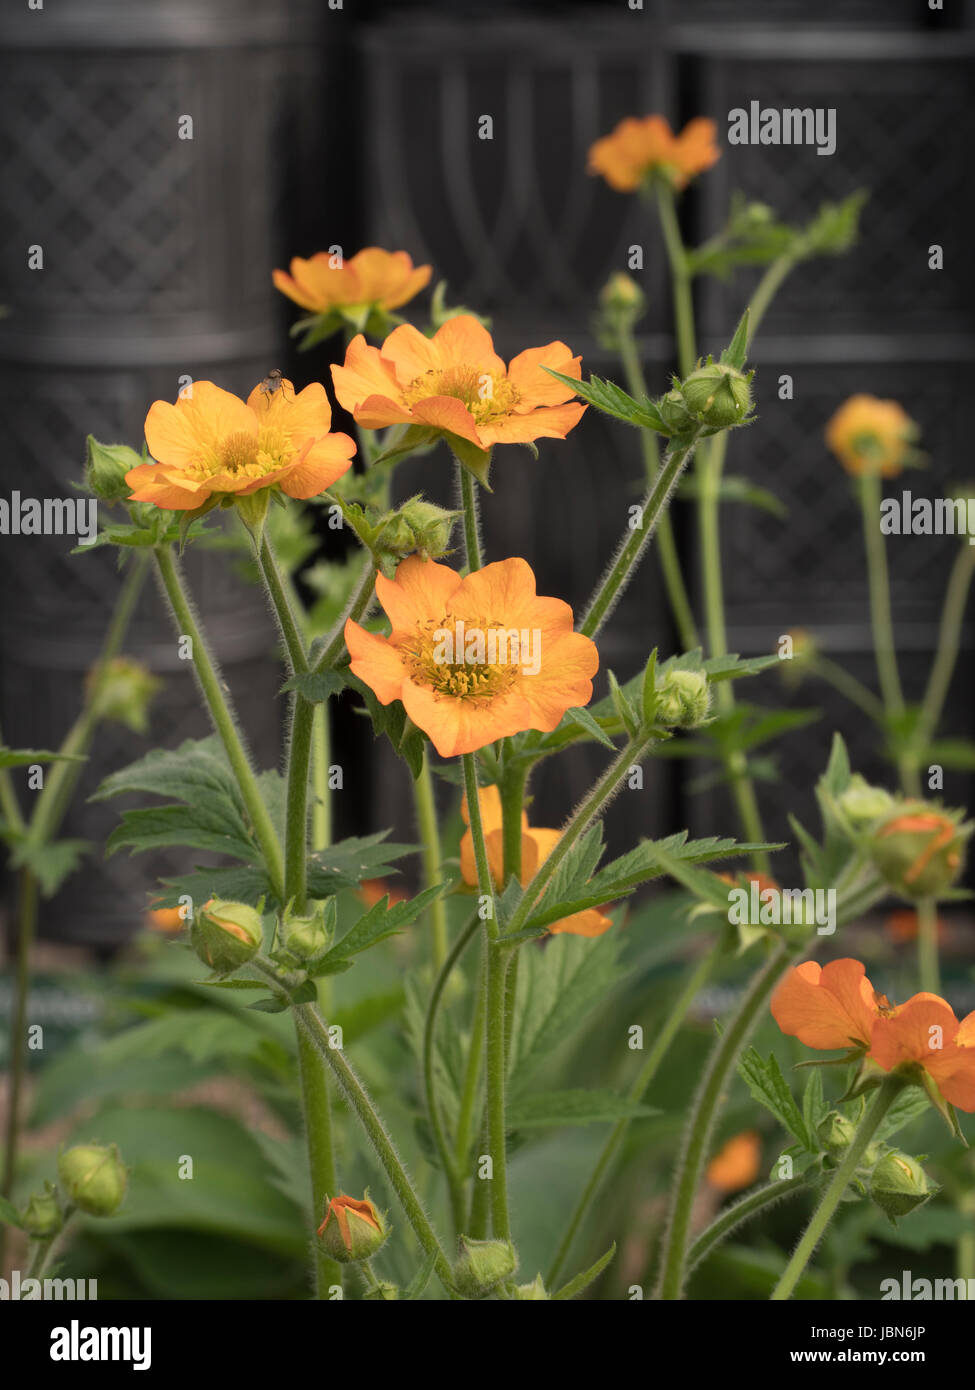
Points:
(883, 1005)
(274, 381)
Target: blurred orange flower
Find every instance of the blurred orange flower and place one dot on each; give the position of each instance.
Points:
(372, 278)
(168, 920)
(737, 1164)
(536, 846)
(212, 445)
(518, 664)
(455, 382)
(638, 148)
(835, 1006)
(902, 925)
(868, 435)
(372, 890)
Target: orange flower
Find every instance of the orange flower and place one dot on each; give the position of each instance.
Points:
(536, 846)
(474, 659)
(836, 1007)
(371, 279)
(456, 383)
(212, 445)
(168, 920)
(357, 1231)
(373, 890)
(868, 435)
(638, 148)
(737, 1164)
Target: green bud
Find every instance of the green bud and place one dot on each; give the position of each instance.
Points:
(533, 1291)
(717, 395)
(226, 935)
(673, 412)
(94, 1178)
(309, 936)
(683, 698)
(431, 526)
(42, 1216)
(106, 466)
(123, 692)
(835, 1132)
(898, 1184)
(353, 1229)
(920, 849)
(396, 536)
(383, 1291)
(482, 1264)
(862, 803)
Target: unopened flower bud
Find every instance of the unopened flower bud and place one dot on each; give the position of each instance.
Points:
(862, 803)
(353, 1229)
(94, 1178)
(717, 394)
(622, 295)
(683, 698)
(532, 1292)
(306, 937)
(123, 691)
(106, 466)
(483, 1264)
(430, 525)
(42, 1217)
(835, 1132)
(226, 935)
(920, 850)
(674, 412)
(898, 1184)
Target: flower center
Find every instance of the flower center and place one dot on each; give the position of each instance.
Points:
(433, 659)
(238, 451)
(485, 394)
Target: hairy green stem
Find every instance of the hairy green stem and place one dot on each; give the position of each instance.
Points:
(949, 641)
(680, 278)
(222, 718)
(472, 522)
(813, 1234)
(426, 815)
(703, 1114)
(739, 1212)
(693, 985)
(361, 600)
(636, 539)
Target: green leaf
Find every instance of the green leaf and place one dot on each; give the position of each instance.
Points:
(770, 1088)
(10, 1214)
(814, 1107)
(734, 489)
(580, 716)
(316, 686)
(212, 823)
(736, 353)
(346, 863)
(911, 1102)
(476, 461)
(422, 1278)
(583, 1280)
(575, 1107)
(956, 754)
(50, 864)
(23, 757)
(378, 923)
(613, 400)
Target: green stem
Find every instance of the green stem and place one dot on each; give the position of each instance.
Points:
(732, 1217)
(512, 791)
(355, 1093)
(281, 605)
(680, 278)
(496, 968)
(633, 751)
(855, 691)
(704, 1111)
(472, 523)
(426, 815)
(635, 540)
(889, 1089)
(26, 929)
(321, 814)
(929, 969)
(472, 1075)
(223, 720)
(455, 1178)
(949, 640)
(885, 651)
(680, 604)
(317, 1112)
(361, 600)
(641, 1084)
(296, 812)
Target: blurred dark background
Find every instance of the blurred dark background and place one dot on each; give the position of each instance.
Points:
(316, 126)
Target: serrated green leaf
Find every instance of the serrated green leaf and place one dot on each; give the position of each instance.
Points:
(580, 716)
(769, 1087)
(582, 1281)
(50, 864)
(315, 686)
(23, 757)
(613, 400)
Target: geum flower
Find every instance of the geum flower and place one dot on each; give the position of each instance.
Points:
(455, 384)
(373, 281)
(517, 664)
(536, 846)
(639, 148)
(868, 435)
(213, 447)
(835, 1006)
